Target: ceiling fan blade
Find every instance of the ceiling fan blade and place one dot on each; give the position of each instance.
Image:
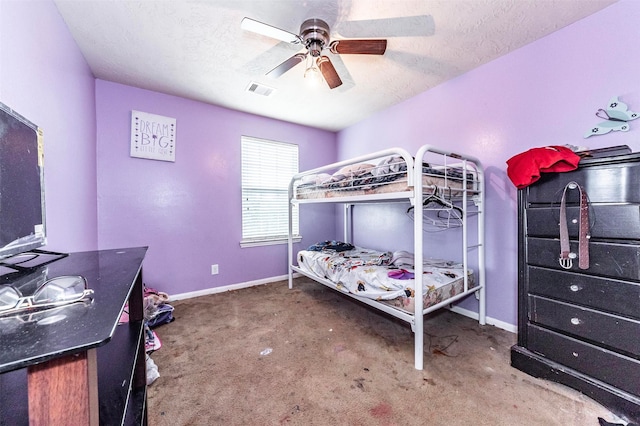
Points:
(329, 72)
(404, 26)
(287, 65)
(269, 31)
(362, 47)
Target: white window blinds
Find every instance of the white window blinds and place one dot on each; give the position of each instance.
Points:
(267, 168)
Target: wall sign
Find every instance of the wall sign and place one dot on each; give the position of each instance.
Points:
(153, 136)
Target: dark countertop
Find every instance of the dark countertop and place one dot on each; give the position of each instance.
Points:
(26, 340)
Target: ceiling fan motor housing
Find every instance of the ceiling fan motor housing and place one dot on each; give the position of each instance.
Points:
(315, 35)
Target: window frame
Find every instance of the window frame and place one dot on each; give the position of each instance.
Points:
(275, 190)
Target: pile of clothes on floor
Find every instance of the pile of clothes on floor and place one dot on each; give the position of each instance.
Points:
(157, 311)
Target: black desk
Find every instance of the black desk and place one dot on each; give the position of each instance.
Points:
(61, 370)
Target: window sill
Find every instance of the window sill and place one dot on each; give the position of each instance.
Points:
(275, 241)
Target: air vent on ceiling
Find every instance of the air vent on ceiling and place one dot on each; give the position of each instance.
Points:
(260, 89)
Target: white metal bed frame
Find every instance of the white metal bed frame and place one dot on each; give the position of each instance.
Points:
(415, 197)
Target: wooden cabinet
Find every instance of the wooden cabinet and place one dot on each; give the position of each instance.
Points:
(581, 327)
(76, 365)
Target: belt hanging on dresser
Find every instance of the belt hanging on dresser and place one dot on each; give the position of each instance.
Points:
(566, 256)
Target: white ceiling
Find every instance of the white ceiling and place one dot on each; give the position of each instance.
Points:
(197, 50)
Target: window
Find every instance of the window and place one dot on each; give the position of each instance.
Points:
(267, 168)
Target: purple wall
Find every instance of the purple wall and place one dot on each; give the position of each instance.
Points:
(188, 212)
(545, 93)
(44, 77)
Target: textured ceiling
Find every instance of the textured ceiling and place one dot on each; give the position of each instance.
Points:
(197, 50)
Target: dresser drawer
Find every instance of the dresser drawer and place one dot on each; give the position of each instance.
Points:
(606, 183)
(606, 221)
(615, 260)
(601, 364)
(615, 296)
(615, 332)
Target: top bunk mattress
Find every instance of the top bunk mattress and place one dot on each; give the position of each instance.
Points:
(383, 176)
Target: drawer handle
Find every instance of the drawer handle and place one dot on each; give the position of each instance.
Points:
(574, 287)
(575, 321)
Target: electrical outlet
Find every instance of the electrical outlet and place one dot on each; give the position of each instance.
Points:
(214, 269)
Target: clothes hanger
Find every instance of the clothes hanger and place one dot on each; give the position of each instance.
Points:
(440, 201)
(439, 214)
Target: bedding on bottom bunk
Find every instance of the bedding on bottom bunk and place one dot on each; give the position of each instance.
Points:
(383, 276)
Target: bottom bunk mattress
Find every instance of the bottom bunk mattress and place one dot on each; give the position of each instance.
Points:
(387, 277)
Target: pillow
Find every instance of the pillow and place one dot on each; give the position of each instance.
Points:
(351, 171)
(315, 179)
(389, 165)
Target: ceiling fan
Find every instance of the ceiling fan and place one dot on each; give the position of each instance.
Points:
(315, 37)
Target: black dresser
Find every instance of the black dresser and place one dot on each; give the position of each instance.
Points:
(581, 326)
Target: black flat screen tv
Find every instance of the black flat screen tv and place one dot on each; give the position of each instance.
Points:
(22, 208)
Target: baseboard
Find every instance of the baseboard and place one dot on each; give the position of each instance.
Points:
(231, 287)
(467, 313)
(491, 321)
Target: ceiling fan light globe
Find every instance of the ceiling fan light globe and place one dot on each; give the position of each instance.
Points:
(313, 76)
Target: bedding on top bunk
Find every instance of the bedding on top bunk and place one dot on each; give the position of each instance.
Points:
(383, 276)
(389, 175)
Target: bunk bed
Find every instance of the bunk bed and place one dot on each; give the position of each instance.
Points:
(443, 190)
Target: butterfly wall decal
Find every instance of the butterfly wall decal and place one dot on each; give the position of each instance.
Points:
(616, 116)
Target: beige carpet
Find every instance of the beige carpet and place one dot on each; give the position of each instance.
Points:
(268, 355)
